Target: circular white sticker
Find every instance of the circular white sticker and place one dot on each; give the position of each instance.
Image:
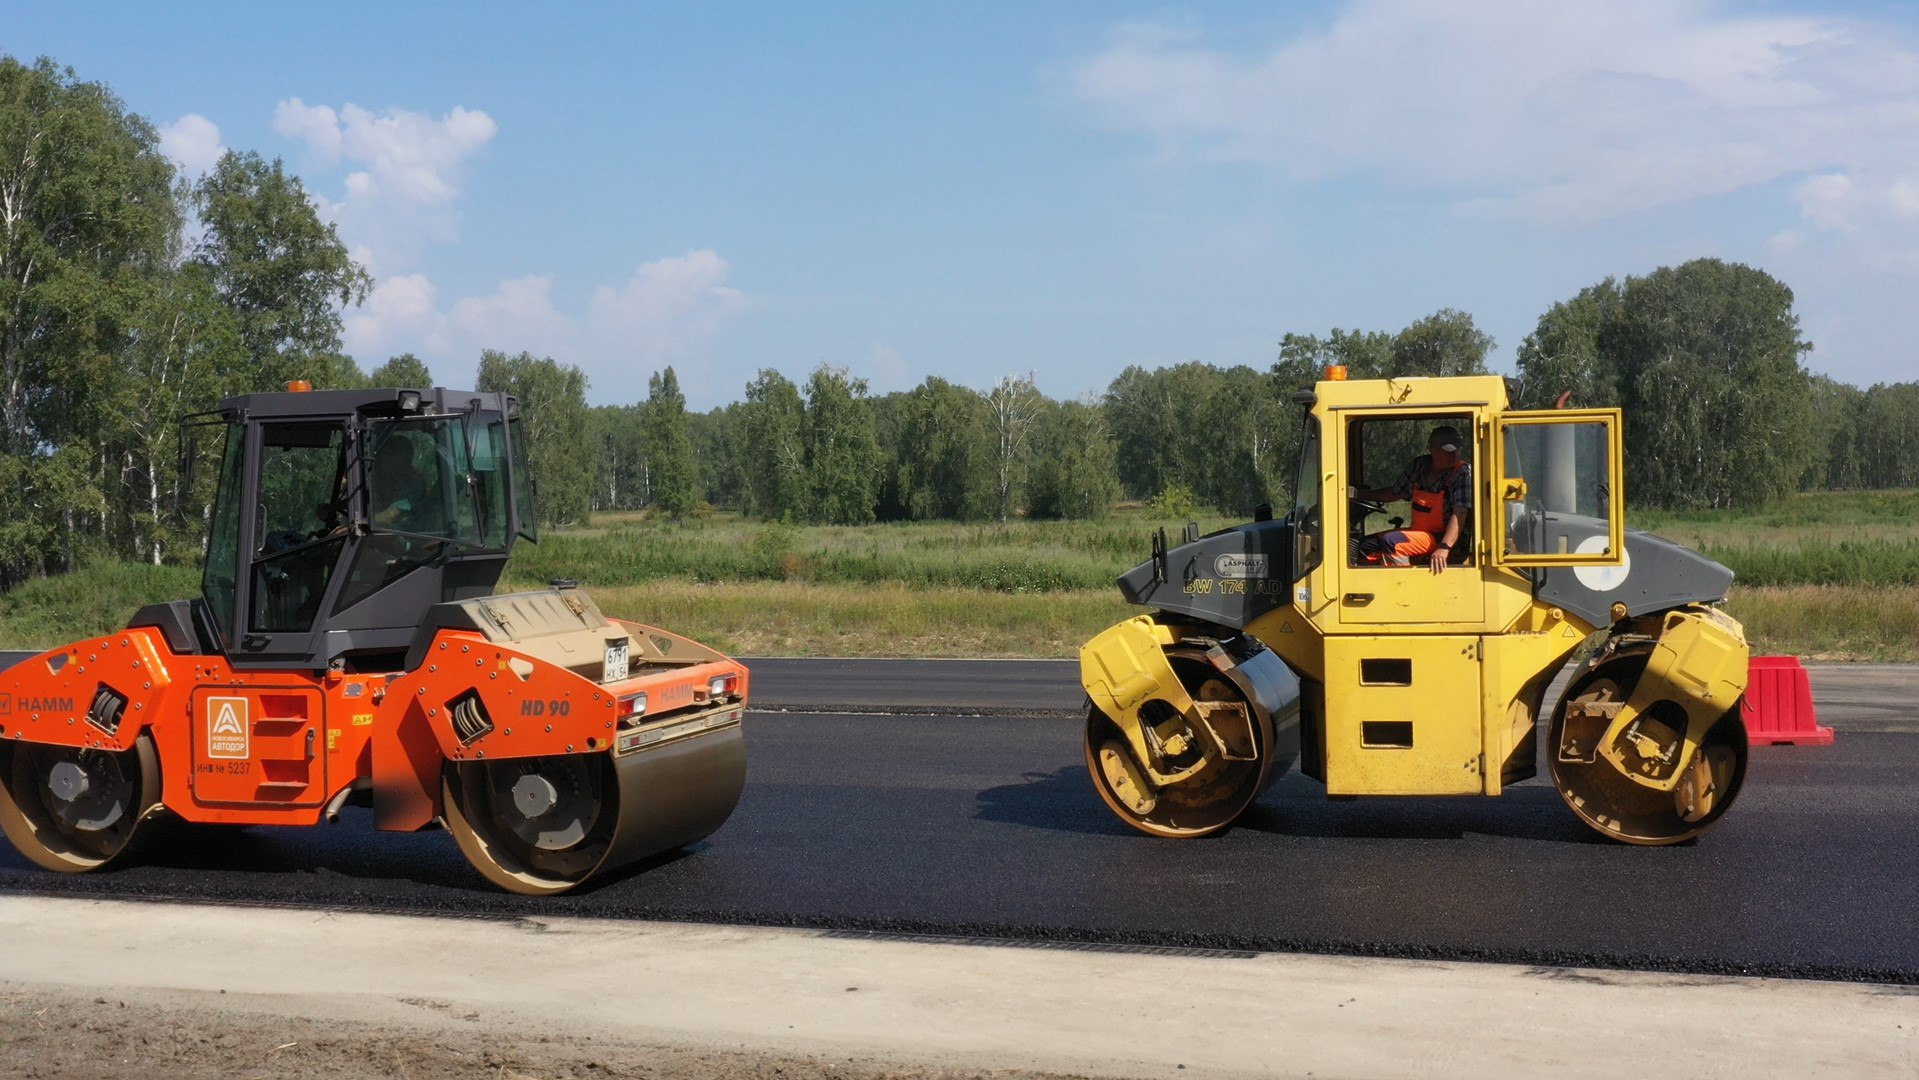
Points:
(1601, 579)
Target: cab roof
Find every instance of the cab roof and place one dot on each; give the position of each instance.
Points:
(380, 402)
(1413, 391)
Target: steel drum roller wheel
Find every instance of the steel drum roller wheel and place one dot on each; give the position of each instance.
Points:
(534, 826)
(1617, 807)
(1200, 807)
(74, 810)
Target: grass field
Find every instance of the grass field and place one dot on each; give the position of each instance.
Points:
(1824, 576)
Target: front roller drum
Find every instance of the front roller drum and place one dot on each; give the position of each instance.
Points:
(543, 825)
(1215, 798)
(74, 809)
(1611, 802)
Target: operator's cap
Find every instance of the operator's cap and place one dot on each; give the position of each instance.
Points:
(1445, 438)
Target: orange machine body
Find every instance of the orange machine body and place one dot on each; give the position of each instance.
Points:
(291, 747)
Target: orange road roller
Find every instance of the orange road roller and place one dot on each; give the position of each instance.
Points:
(348, 648)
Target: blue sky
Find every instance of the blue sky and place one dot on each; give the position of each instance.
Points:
(973, 190)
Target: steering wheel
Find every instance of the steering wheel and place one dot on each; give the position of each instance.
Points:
(330, 513)
(1363, 509)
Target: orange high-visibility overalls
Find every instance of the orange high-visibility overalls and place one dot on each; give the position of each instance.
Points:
(1396, 547)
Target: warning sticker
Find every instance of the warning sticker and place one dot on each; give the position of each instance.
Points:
(227, 727)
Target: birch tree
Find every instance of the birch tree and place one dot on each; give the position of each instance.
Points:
(86, 211)
(841, 449)
(669, 449)
(772, 456)
(1014, 406)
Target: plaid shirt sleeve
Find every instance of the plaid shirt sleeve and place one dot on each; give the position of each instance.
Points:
(1404, 488)
(1459, 492)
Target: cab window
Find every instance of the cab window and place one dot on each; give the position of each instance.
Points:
(490, 477)
(1404, 487)
(1307, 546)
(298, 528)
(219, 581)
(1559, 484)
(422, 502)
(523, 485)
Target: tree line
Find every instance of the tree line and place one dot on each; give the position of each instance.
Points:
(1705, 359)
(132, 298)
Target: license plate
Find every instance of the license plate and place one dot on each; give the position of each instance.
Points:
(616, 660)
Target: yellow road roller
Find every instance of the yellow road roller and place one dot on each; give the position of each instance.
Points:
(1396, 632)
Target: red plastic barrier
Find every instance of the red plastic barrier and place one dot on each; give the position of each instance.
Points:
(1777, 707)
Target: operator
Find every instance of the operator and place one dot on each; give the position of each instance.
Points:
(1439, 485)
(402, 498)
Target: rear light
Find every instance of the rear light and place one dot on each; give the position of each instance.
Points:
(633, 705)
(722, 685)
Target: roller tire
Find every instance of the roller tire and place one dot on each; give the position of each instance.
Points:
(1610, 802)
(1182, 814)
(478, 811)
(73, 838)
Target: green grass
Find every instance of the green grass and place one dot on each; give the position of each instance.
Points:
(95, 599)
(1893, 508)
(1826, 576)
(1818, 538)
(783, 618)
(1830, 622)
(1018, 557)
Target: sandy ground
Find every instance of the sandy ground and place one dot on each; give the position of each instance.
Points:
(118, 989)
(49, 1035)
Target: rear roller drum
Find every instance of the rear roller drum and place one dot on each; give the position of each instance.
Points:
(1213, 799)
(535, 826)
(74, 810)
(1613, 803)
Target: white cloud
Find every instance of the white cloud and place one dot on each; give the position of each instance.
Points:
(1875, 216)
(1553, 112)
(193, 144)
(408, 156)
(1824, 201)
(666, 309)
(667, 312)
(406, 171)
(400, 176)
(518, 317)
(402, 314)
(315, 125)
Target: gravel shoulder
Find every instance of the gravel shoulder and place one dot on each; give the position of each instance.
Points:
(117, 989)
(48, 1034)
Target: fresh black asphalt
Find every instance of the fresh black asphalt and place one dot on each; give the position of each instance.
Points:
(985, 826)
(930, 687)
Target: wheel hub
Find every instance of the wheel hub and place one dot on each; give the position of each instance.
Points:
(67, 781)
(534, 795)
(89, 793)
(553, 803)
